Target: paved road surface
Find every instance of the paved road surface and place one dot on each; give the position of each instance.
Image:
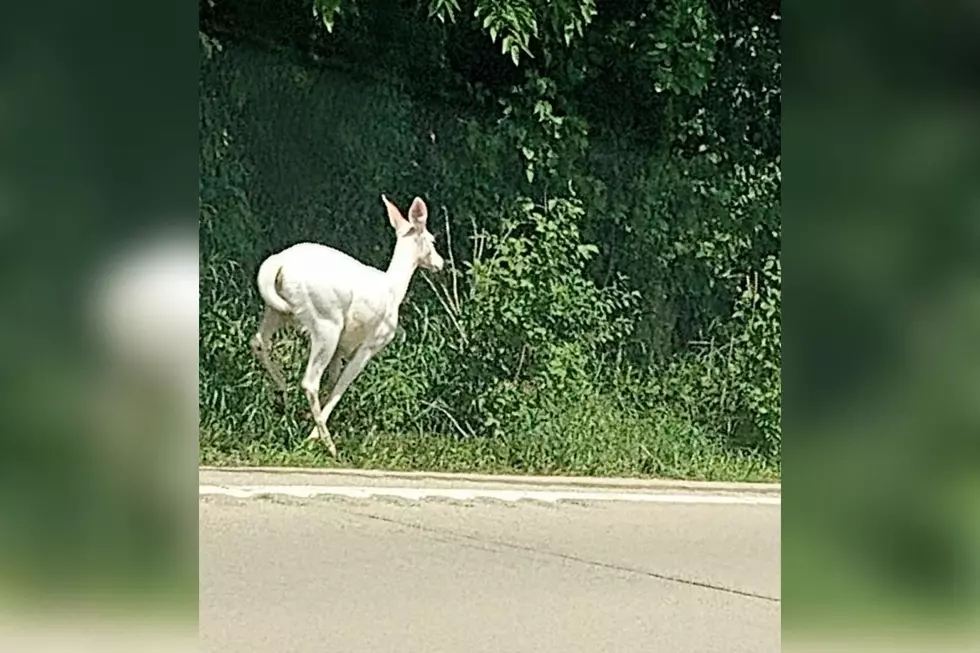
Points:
(291, 575)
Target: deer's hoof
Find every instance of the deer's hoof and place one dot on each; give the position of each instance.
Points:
(325, 438)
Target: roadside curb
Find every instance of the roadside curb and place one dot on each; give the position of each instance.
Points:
(509, 479)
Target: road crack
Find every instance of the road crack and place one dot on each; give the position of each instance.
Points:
(439, 534)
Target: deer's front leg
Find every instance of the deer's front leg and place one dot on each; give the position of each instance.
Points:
(333, 373)
(323, 347)
(350, 372)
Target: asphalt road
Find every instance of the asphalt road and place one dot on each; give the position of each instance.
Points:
(324, 574)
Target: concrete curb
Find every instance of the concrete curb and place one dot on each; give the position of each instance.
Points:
(512, 479)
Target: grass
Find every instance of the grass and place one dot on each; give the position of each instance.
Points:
(659, 425)
(588, 438)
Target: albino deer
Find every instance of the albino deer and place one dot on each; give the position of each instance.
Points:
(348, 309)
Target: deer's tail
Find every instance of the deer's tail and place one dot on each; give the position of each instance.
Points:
(267, 277)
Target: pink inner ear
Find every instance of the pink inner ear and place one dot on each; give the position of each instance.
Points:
(418, 212)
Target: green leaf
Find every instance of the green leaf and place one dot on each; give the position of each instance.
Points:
(327, 10)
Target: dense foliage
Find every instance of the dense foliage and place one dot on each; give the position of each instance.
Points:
(604, 176)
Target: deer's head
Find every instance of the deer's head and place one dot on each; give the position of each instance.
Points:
(412, 235)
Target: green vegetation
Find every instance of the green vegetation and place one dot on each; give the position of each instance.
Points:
(605, 179)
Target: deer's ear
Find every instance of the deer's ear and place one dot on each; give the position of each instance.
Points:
(395, 217)
(418, 213)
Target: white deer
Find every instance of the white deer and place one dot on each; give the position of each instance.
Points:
(348, 309)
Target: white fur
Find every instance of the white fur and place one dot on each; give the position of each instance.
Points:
(348, 309)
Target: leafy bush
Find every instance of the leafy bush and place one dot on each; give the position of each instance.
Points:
(730, 386)
(530, 323)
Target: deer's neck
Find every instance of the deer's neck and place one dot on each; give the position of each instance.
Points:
(400, 270)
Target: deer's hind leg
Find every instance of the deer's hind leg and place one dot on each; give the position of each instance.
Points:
(271, 322)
